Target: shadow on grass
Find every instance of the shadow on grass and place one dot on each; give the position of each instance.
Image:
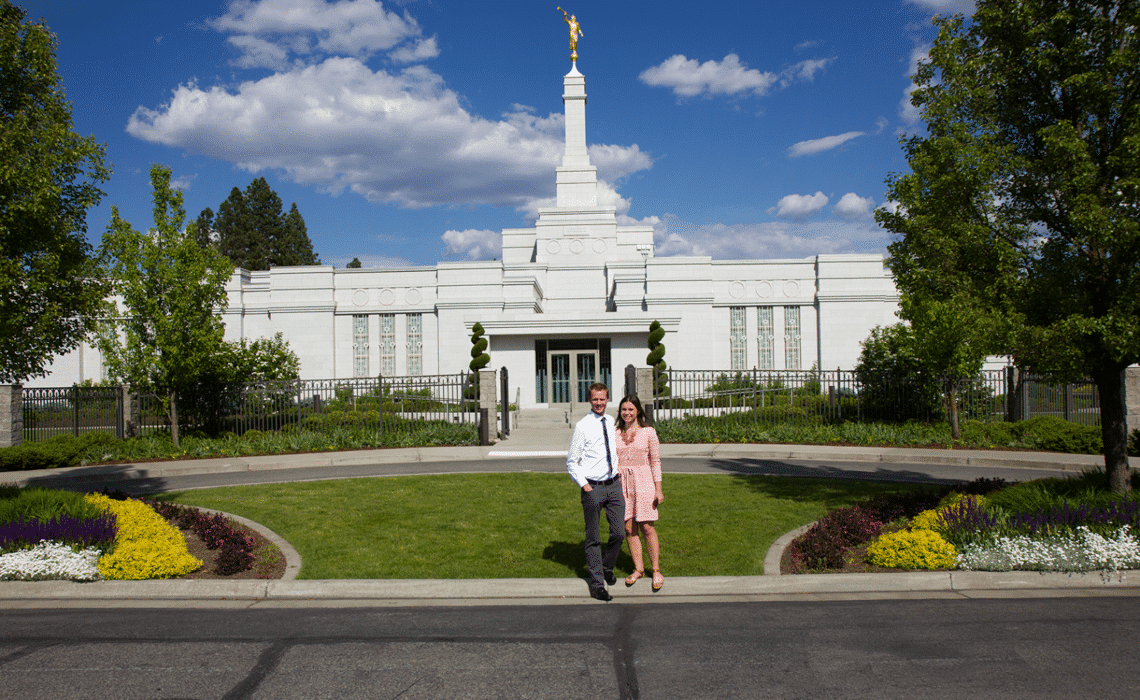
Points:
(572, 555)
(817, 482)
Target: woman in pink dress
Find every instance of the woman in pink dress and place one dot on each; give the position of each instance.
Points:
(639, 462)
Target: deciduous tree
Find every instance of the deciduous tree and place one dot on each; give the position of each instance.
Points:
(169, 330)
(1023, 199)
(51, 289)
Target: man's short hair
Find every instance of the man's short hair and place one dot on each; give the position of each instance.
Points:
(598, 386)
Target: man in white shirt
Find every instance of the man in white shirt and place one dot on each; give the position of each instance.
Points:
(592, 463)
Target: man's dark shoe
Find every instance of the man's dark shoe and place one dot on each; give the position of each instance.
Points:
(600, 594)
(610, 578)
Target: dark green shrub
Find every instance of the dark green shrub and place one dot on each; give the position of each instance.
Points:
(998, 433)
(59, 451)
(1058, 435)
(1134, 443)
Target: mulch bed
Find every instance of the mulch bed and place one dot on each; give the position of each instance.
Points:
(268, 563)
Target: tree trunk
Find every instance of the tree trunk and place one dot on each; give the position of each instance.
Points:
(1113, 428)
(174, 417)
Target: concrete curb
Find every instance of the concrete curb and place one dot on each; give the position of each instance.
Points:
(509, 591)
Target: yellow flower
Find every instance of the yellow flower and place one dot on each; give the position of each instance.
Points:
(922, 549)
(146, 546)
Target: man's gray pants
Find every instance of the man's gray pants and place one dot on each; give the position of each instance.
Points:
(608, 497)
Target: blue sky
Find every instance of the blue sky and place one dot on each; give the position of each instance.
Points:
(413, 132)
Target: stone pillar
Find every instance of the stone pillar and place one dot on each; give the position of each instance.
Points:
(488, 394)
(1130, 378)
(11, 415)
(643, 387)
(132, 413)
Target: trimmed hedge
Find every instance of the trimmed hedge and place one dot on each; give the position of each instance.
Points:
(56, 452)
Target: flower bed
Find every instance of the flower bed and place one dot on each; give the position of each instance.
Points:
(978, 526)
(115, 537)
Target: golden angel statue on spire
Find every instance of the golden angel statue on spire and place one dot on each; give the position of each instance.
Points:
(575, 32)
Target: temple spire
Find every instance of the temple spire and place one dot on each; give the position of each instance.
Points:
(577, 183)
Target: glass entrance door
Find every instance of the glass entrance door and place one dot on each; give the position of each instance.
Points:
(587, 368)
(571, 374)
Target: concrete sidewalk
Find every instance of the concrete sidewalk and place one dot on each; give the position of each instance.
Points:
(512, 448)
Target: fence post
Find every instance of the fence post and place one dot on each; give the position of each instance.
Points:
(1130, 378)
(11, 415)
(506, 401)
(124, 402)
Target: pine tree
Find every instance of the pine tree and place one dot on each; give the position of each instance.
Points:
(295, 247)
(254, 232)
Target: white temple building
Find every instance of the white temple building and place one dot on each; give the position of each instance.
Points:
(571, 300)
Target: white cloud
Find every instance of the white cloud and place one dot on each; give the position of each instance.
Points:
(267, 32)
(474, 244)
(852, 207)
(420, 51)
(800, 206)
(689, 77)
(908, 112)
(890, 206)
(182, 183)
(766, 240)
(946, 6)
(400, 138)
(805, 70)
(810, 148)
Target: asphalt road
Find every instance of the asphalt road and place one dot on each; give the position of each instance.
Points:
(876, 471)
(1007, 649)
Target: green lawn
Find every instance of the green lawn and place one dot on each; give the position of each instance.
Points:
(520, 525)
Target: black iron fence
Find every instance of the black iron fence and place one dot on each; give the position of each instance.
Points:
(394, 405)
(390, 405)
(1078, 402)
(380, 405)
(805, 397)
(71, 411)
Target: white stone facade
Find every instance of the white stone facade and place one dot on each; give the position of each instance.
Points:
(571, 300)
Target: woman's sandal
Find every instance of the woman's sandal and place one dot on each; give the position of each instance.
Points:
(632, 578)
(658, 580)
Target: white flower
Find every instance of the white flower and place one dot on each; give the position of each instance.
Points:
(1082, 550)
(50, 560)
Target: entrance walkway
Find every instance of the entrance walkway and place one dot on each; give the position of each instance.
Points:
(537, 432)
